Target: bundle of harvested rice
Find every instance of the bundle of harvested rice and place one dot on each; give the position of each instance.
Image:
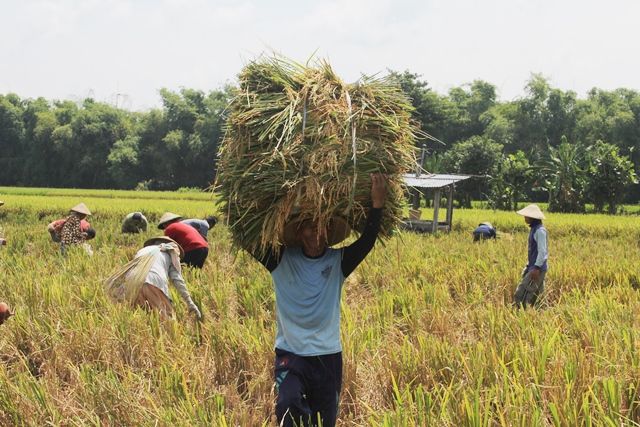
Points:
(300, 142)
(124, 285)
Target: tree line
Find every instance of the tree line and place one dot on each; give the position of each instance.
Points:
(96, 145)
(548, 145)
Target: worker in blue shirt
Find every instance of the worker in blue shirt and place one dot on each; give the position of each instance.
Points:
(532, 283)
(484, 231)
(202, 225)
(308, 276)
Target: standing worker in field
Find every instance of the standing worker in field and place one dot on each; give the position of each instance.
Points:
(134, 222)
(532, 283)
(202, 225)
(308, 276)
(195, 246)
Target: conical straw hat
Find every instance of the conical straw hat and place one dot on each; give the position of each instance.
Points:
(338, 230)
(166, 217)
(531, 211)
(163, 239)
(1, 203)
(81, 208)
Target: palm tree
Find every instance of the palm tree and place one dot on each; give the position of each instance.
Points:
(564, 176)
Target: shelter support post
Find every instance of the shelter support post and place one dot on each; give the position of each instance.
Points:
(416, 198)
(450, 207)
(436, 208)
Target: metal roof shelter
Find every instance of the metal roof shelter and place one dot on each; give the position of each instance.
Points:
(438, 183)
(432, 180)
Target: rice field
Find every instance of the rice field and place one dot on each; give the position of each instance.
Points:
(429, 336)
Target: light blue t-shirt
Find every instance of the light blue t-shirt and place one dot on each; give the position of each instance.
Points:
(199, 224)
(308, 302)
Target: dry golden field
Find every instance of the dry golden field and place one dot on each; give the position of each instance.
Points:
(428, 333)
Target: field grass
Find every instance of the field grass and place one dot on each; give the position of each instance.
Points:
(188, 194)
(428, 333)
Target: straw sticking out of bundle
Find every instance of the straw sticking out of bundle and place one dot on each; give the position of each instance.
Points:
(125, 284)
(300, 142)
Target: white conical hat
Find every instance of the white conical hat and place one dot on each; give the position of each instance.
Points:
(1, 203)
(163, 239)
(532, 211)
(166, 217)
(81, 208)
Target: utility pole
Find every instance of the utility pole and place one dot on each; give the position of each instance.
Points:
(118, 95)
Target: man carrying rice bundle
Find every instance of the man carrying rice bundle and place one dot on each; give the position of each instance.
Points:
(306, 159)
(144, 282)
(308, 276)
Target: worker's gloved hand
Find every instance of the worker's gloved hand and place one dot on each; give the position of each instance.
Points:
(196, 311)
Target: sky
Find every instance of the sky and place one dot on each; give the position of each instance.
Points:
(124, 51)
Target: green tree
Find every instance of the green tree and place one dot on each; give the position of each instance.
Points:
(482, 98)
(469, 104)
(564, 174)
(560, 115)
(11, 139)
(123, 162)
(512, 181)
(531, 116)
(37, 148)
(476, 156)
(153, 159)
(434, 112)
(179, 144)
(95, 129)
(610, 174)
(500, 123)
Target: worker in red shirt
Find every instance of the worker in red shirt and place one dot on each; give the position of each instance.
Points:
(195, 246)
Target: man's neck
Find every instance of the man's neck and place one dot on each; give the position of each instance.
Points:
(313, 252)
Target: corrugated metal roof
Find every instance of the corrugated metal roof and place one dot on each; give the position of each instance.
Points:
(432, 180)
